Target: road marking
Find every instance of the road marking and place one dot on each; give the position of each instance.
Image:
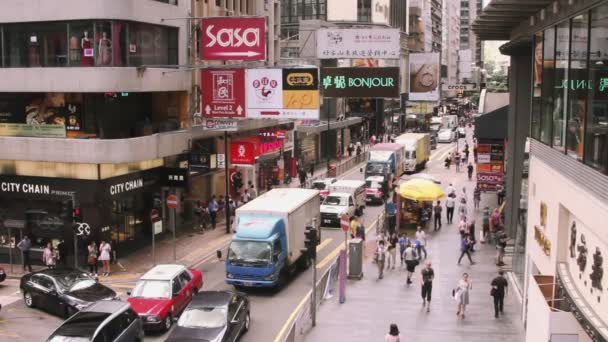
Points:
(292, 317)
(338, 248)
(324, 243)
(8, 333)
(191, 257)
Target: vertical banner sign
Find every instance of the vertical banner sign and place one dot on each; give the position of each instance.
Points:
(424, 76)
(223, 93)
(230, 38)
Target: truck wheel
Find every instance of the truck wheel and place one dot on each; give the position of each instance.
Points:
(304, 263)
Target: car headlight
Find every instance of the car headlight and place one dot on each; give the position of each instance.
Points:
(229, 275)
(1, 271)
(270, 277)
(152, 319)
(81, 306)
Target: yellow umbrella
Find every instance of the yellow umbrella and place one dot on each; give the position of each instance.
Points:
(418, 189)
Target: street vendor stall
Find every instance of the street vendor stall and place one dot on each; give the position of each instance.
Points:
(414, 199)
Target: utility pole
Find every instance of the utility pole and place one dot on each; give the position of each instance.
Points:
(310, 251)
(227, 170)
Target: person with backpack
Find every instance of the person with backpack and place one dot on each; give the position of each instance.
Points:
(411, 261)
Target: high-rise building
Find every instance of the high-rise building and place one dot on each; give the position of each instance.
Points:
(470, 53)
(451, 42)
(425, 26)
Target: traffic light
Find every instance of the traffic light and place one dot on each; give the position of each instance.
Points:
(310, 242)
(66, 210)
(77, 214)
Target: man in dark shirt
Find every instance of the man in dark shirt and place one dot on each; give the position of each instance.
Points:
(437, 211)
(500, 287)
(427, 285)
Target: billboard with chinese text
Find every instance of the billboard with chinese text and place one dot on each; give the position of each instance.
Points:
(358, 43)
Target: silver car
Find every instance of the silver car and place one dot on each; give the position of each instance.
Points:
(106, 320)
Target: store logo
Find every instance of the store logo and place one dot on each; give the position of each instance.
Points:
(233, 37)
(223, 87)
(300, 79)
(242, 150)
(126, 186)
(265, 88)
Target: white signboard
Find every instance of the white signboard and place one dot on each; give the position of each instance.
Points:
(424, 76)
(381, 11)
(221, 124)
(341, 10)
(483, 159)
(158, 227)
(221, 161)
(264, 88)
(458, 86)
(358, 43)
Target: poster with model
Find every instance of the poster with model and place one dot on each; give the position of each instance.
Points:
(424, 76)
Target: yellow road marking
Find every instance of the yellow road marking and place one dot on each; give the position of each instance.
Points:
(8, 333)
(324, 243)
(198, 252)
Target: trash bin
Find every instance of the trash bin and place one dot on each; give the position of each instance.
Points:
(331, 171)
(355, 258)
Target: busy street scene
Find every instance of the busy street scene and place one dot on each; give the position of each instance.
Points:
(303, 170)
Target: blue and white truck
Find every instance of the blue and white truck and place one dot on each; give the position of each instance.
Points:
(269, 239)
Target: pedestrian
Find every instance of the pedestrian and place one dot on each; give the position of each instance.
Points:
(92, 258)
(496, 220)
(476, 196)
(462, 294)
(462, 209)
(213, 208)
(465, 249)
(252, 192)
(380, 257)
(450, 190)
(360, 232)
(421, 242)
(463, 160)
(466, 150)
(392, 251)
(302, 175)
(402, 245)
(198, 211)
(475, 153)
(104, 256)
(393, 334)
(437, 209)
(350, 149)
(411, 261)
(232, 206)
(428, 274)
(486, 224)
(24, 246)
(500, 287)
(450, 203)
(462, 227)
(391, 214)
(456, 161)
(62, 252)
(471, 232)
(246, 196)
(499, 189)
(311, 169)
(501, 245)
(470, 171)
(48, 256)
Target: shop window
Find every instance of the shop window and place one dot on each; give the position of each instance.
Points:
(152, 45)
(577, 98)
(35, 45)
(596, 134)
(560, 91)
(548, 83)
(538, 79)
(82, 47)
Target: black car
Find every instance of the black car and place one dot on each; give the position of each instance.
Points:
(106, 320)
(213, 316)
(62, 291)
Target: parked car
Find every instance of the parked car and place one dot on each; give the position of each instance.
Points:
(62, 291)
(446, 135)
(323, 186)
(162, 293)
(213, 316)
(104, 321)
(2, 274)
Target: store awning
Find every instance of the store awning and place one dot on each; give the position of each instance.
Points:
(493, 125)
(321, 126)
(500, 17)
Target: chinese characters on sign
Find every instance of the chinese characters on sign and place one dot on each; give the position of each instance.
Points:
(223, 93)
(360, 82)
(358, 43)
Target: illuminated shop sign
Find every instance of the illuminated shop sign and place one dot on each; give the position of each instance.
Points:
(126, 186)
(360, 82)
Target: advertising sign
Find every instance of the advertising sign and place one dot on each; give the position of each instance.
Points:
(220, 125)
(341, 10)
(424, 76)
(358, 43)
(489, 180)
(223, 93)
(360, 82)
(283, 93)
(242, 152)
(467, 87)
(232, 38)
(381, 11)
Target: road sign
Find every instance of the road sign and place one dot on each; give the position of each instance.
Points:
(82, 229)
(221, 161)
(233, 39)
(172, 201)
(223, 93)
(344, 223)
(154, 215)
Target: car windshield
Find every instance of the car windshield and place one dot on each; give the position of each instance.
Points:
(208, 317)
(319, 185)
(79, 328)
(75, 281)
(152, 289)
(410, 154)
(249, 252)
(335, 200)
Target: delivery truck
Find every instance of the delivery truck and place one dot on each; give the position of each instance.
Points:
(345, 197)
(269, 241)
(417, 150)
(394, 153)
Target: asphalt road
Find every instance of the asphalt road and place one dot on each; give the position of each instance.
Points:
(270, 309)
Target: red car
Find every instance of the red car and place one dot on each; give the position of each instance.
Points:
(163, 293)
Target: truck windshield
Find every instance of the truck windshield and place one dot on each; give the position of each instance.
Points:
(375, 168)
(372, 184)
(335, 200)
(248, 252)
(410, 154)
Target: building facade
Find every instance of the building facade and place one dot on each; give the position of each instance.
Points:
(450, 43)
(470, 52)
(558, 62)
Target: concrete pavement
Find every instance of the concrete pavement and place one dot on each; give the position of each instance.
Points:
(372, 304)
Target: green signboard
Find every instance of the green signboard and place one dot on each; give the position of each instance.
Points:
(25, 130)
(360, 82)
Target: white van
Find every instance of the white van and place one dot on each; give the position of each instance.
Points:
(345, 197)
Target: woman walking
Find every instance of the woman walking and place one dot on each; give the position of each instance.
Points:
(411, 261)
(380, 257)
(462, 294)
(48, 256)
(476, 196)
(393, 334)
(104, 256)
(462, 209)
(92, 258)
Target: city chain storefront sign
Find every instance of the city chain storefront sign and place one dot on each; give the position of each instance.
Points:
(234, 38)
(360, 82)
(126, 186)
(358, 43)
(25, 188)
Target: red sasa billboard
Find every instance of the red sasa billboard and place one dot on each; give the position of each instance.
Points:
(233, 38)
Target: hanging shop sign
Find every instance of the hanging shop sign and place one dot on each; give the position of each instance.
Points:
(200, 162)
(223, 93)
(229, 125)
(229, 38)
(175, 177)
(282, 93)
(488, 181)
(342, 10)
(126, 186)
(242, 152)
(358, 43)
(360, 82)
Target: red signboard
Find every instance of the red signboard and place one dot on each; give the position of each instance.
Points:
(344, 223)
(488, 181)
(242, 152)
(172, 201)
(229, 38)
(223, 93)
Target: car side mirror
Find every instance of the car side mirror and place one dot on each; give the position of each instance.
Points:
(128, 293)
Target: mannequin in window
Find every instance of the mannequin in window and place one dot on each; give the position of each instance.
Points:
(75, 52)
(104, 54)
(87, 50)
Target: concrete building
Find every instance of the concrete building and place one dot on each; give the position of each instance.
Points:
(450, 43)
(470, 52)
(425, 26)
(556, 216)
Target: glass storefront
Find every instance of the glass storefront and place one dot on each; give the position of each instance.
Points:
(87, 44)
(570, 93)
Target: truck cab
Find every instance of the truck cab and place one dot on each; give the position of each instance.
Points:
(378, 168)
(335, 205)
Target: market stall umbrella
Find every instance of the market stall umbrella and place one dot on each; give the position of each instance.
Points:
(422, 176)
(420, 190)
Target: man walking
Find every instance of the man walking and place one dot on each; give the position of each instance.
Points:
(437, 209)
(392, 251)
(450, 203)
(465, 246)
(420, 242)
(500, 287)
(379, 257)
(213, 208)
(24, 246)
(501, 245)
(427, 285)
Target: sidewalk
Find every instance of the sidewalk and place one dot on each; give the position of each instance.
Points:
(372, 304)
